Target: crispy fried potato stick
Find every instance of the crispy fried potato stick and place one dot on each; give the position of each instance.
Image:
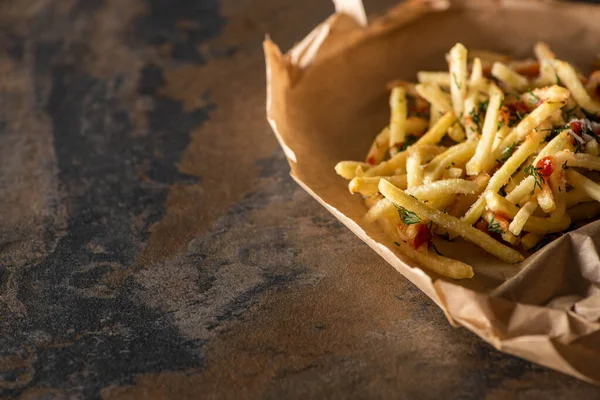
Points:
(399, 113)
(457, 59)
(509, 77)
(540, 225)
(473, 235)
(569, 78)
(440, 189)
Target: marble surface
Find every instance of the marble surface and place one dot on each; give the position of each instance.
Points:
(153, 245)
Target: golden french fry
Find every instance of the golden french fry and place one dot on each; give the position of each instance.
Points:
(414, 171)
(530, 240)
(379, 147)
(473, 235)
(456, 155)
(382, 209)
(540, 225)
(457, 59)
(569, 78)
(368, 185)
(347, 169)
(575, 197)
(584, 184)
(434, 95)
(439, 264)
(584, 211)
(440, 189)
(509, 77)
(546, 58)
(399, 111)
(521, 217)
(490, 127)
(439, 78)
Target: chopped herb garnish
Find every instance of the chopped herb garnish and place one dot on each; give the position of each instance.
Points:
(558, 82)
(410, 140)
(533, 95)
(565, 166)
(538, 178)
(519, 116)
(509, 151)
(397, 244)
(500, 125)
(578, 148)
(436, 250)
(483, 107)
(495, 227)
(458, 85)
(408, 217)
(475, 118)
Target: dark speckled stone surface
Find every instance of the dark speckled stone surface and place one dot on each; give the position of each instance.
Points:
(152, 244)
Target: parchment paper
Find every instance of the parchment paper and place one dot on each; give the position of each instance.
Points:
(326, 101)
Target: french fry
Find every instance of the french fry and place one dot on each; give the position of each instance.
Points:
(509, 77)
(584, 184)
(546, 58)
(463, 203)
(414, 171)
(506, 235)
(439, 264)
(416, 126)
(473, 235)
(558, 185)
(521, 217)
(434, 114)
(531, 121)
(397, 162)
(575, 197)
(455, 155)
(368, 185)
(569, 78)
(452, 173)
(584, 211)
(434, 95)
(379, 147)
(457, 59)
(347, 169)
(399, 113)
(437, 132)
(530, 240)
(476, 80)
(439, 189)
(381, 210)
(540, 225)
(490, 127)
(439, 78)
(553, 147)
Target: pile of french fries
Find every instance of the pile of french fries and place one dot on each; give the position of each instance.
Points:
(503, 153)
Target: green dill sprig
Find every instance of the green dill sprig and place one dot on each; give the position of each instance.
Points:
(509, 151)
(458, 85)
(537, 176)
(407, 217)
(536, 98)
(494, 226)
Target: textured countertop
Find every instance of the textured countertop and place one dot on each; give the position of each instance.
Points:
(153, 245)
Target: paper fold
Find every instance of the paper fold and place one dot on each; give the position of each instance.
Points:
(326, 100)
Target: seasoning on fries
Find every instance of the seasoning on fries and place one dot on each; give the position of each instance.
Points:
(500, 152)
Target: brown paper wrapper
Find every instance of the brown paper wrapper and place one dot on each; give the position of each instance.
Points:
(326, 102)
